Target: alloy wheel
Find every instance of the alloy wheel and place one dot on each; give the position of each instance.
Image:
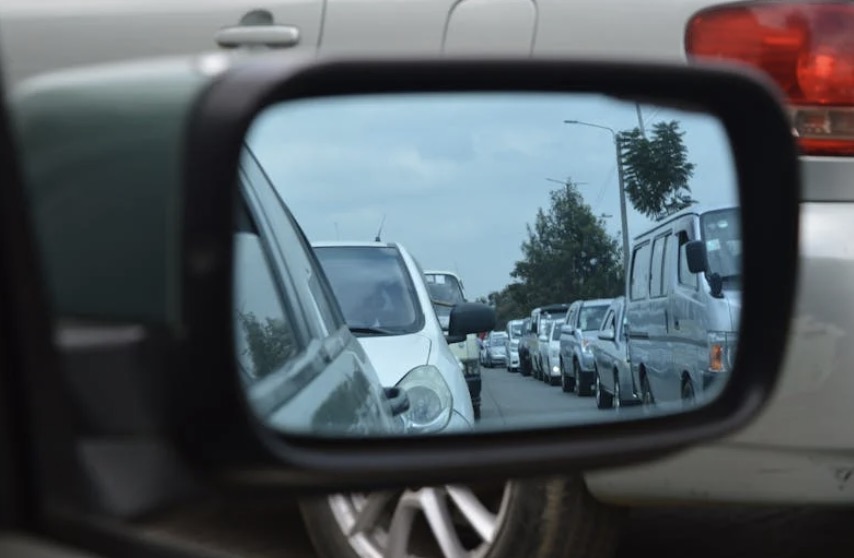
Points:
(449, 521)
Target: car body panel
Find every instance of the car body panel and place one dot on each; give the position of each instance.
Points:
(611, 356)
(85, 32)
(396, 355)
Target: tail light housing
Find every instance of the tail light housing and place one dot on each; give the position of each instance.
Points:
(807, 48)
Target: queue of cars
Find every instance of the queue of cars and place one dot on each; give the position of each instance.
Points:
(669, 338)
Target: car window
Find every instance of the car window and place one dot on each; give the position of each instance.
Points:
(608, 322)
(656, 272)
(373, 287)
(264, 334)
(590, 317)
(640, 272)
(310, 292)
(556, 331)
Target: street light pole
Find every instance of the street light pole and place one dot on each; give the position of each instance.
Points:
(623, 217)
(621, 185)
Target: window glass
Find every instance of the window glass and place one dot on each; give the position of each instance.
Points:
(556, 331)
(373, 287)
(264, 334)
(640, 272)
(656, 283)
(591, 317)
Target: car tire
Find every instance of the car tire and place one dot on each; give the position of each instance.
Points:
(542, 518)
(618, 392)
(581, 388)
(604, 400)
(565, 383)
(476, 410)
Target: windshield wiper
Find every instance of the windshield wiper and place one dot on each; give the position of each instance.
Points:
(371, 330)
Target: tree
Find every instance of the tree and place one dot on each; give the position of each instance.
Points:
(656, 171)
(269, 345)
(568, 256)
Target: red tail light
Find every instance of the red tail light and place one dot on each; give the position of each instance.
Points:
(806, 47)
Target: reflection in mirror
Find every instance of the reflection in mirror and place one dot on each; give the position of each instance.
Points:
(438, 263)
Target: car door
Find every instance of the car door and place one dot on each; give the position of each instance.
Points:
(379, 27)
(281, 293)
(663, 378)
(83, 32)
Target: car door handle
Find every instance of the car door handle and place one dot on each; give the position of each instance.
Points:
(274, 36)
(398, 399)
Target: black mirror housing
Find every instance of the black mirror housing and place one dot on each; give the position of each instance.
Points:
(698, 259)
(470, 317)
(764, 154)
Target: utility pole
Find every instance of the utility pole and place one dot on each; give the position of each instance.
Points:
(620, 179)
(640, 119)
(623, 217)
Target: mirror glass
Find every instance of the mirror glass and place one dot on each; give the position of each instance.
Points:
(437, 263)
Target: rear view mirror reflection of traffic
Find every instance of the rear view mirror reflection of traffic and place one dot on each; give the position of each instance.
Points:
(484, 261)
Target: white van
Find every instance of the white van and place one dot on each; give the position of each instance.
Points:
(684, 304)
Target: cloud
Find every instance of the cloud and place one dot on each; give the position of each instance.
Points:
(459, 177)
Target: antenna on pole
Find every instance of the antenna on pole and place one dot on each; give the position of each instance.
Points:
(379, 232)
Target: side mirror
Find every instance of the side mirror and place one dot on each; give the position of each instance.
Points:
(469, 317)
(695, 251)
(607, 335)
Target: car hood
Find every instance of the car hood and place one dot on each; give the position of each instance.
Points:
(395, 355)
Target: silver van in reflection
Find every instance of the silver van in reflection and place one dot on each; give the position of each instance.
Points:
(684, 304)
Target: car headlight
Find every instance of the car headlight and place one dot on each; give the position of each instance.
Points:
(430, 400)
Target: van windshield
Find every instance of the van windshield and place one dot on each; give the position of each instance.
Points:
(721, 232)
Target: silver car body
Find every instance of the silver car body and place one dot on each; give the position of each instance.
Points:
(675, 325)
(611, 353)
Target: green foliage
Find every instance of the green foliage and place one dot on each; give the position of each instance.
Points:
(656, 170)
(568, 256)
(269, 344)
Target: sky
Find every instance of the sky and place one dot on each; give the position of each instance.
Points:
(457, 177)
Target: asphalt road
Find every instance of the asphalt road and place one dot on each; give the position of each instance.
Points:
(510, 399)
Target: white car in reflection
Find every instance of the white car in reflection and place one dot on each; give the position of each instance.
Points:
(387, 306)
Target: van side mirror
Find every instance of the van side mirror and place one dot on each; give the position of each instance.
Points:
(695, 251)
(469, 317)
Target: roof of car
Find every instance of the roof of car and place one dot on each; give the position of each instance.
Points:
(681, 214)
(440, 272)
(352, 243)
(597, 302)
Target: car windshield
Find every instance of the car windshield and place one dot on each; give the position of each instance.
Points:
(515, 330)
(721, 232)
(373, 288)
(444, 288)
(498, 339)
(591, 317)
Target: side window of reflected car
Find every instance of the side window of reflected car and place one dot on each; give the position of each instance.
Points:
(264, 334)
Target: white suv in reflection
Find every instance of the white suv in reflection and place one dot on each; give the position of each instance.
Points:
(387, 306)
